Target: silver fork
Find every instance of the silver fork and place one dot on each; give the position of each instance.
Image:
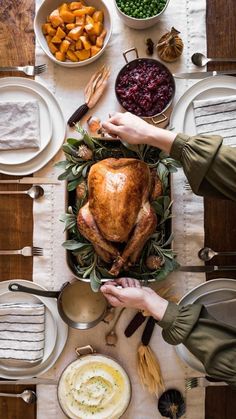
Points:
(194, 382)
(30, 70)
(25, 251)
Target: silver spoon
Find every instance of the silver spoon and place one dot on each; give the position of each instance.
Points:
(34, 192)
(206, 253)
(201, 60)
(29, 396)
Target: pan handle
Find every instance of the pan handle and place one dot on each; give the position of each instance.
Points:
(13, 286)
(84, 350)
(129, 50)
(157, 121)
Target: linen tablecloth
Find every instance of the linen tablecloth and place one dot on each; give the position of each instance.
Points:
(188, 16)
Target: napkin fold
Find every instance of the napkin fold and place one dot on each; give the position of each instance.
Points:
(22, 331)
(216, 116)
(19, 125)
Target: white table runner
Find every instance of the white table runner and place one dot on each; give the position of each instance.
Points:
(51, 271)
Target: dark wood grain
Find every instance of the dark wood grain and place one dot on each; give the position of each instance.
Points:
(17, 47)
(220, 216)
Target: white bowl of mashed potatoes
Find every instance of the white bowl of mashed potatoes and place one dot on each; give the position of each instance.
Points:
(94, 386)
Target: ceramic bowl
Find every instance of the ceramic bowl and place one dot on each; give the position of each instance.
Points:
(41, 17)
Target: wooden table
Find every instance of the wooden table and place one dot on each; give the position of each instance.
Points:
(17, 48)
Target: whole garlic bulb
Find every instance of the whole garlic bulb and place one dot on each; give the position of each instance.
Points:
(170, 46)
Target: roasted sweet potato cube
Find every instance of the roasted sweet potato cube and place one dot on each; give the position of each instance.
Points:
(93, 39)
(75, 5)
(52, 48)
(80, 20)
(98, 16)
(55, 18)
(56, 40)
(98, 28)
(71, 56)
(60, 33)
(86, 42)
(89, 29)
(84, 11)
(70, 26)
(64, 46)
(83, 54)
(94, 50)
(67, 16)
(49, 29)
(89, 19)
(48, 38)
(44, 28)
(76, 33)
(72, 46)
(100, 39)
(79, 44)
(64, 7)
(61, 56)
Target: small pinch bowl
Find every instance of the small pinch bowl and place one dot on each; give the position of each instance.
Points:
(41, 17)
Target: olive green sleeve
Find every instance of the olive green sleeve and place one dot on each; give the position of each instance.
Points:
(209, 166)
(212, 342)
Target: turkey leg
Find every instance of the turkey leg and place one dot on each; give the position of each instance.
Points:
(145, 226)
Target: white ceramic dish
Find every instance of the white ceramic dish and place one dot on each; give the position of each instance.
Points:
(206, 293)
(22, 93)
(135, 23)
(62, 328)
(182, 117)
(50, 327)
(58, 128)
(41, 17)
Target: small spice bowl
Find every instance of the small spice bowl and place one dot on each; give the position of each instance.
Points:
(145, 87)
(140, 23)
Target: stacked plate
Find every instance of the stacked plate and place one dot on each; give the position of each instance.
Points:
(52, 126)
(56, 332)
(212, 294)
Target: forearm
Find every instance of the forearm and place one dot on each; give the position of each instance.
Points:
(156, 306)
(160, 138)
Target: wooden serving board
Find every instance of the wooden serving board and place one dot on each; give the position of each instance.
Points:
(17, 47)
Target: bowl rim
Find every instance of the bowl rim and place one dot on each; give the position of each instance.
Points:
(71, 64)
(145, 19)
(160, 64)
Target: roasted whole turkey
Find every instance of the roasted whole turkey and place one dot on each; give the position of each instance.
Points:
(118, 218)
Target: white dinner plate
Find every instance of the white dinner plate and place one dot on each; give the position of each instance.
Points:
(61, 338)
(209, 292)
(182, 117)
(50, 328)
(58, 128)
(20, 94)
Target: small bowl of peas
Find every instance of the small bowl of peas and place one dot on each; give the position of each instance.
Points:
(140, 14)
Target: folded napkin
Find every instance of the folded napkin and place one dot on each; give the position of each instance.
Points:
(22, 331)
(216, 116)
(19, 125)
(224, 312)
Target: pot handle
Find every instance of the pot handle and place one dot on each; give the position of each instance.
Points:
(84, 350)
(13, 286)
(156, 120)
(129, 50)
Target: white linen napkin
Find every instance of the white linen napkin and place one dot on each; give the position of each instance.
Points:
(22, 333)
(19, 125)
(217, 116)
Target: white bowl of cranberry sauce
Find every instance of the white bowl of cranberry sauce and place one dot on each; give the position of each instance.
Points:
(145, 87)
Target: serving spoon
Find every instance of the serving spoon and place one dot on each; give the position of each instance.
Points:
(206, 253)
(201, 60)
(29, 396)
(34, 192)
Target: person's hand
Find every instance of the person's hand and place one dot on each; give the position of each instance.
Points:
(129, 128)
(135, 130)
(133, 295)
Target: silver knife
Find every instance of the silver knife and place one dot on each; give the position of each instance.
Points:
(208, 268)
(32, 180)
(29, 381)
(202, 75)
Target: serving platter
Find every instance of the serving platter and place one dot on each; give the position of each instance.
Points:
(58, 128)
(15, 92)
(207, 293)
(182, 117)
(55, 345)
